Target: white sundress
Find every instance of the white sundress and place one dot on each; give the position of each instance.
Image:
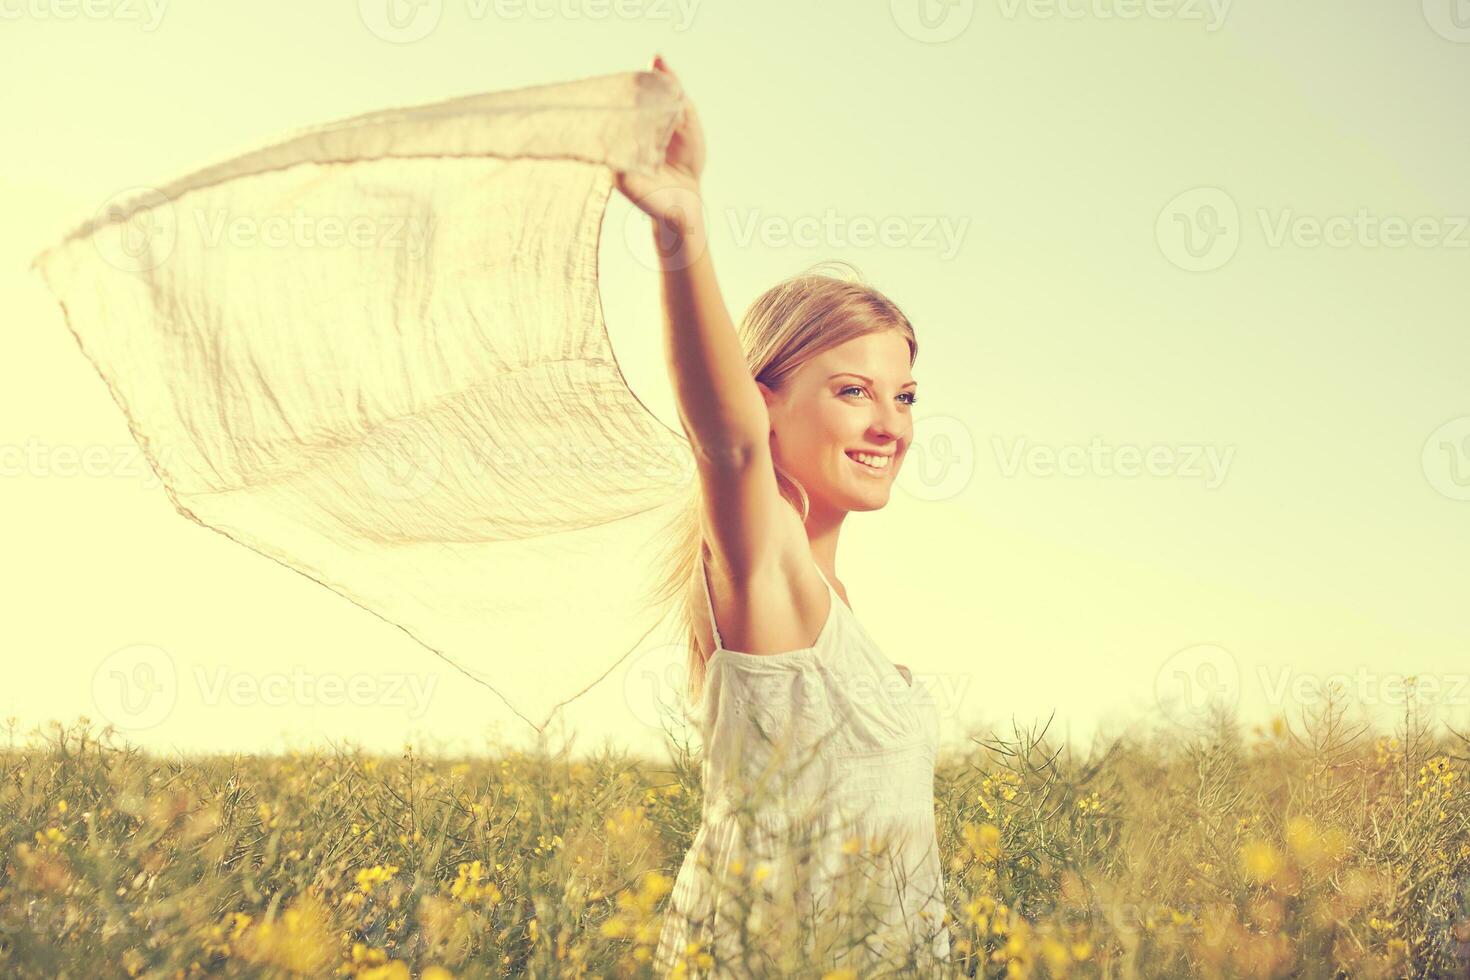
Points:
(818, 775)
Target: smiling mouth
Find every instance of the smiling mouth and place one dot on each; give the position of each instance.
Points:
(871, 463)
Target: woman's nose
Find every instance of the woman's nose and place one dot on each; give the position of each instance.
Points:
(893, 422)
(885, 434)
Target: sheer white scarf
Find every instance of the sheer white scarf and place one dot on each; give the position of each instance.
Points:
(374, 351)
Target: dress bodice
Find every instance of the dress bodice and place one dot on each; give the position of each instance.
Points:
(851, 728)
(819, 764)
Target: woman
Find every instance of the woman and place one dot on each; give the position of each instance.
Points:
(817, 842)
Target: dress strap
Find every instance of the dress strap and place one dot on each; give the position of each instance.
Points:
(709, 603)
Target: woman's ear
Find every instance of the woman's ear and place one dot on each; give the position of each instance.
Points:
(773, 401)
(773, 406)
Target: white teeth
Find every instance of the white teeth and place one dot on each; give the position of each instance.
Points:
(876, 462)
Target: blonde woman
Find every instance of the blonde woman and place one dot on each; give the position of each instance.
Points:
(817, 836)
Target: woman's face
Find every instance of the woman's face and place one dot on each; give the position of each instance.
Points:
(854, 398)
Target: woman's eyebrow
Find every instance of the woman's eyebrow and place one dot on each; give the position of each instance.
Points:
(911, 383)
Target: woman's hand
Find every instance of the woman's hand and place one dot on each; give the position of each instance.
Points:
(670, 194)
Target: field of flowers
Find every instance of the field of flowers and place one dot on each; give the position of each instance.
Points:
(1307, 850)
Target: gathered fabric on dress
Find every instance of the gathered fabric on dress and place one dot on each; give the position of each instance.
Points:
(817, 841)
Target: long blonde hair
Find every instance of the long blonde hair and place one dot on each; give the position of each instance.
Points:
(789, 324)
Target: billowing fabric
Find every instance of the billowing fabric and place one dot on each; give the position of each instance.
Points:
(817, 841)
(374, 351)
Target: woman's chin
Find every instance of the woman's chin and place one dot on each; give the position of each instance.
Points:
(855, 492)
(868, 495)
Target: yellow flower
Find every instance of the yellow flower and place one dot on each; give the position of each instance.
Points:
(978, 910)
(983, 839)
(53, 835)
(216, 938)
(363, 956)
(298, 940)
(1305, 841)
(378, 874)
(1055, 954)
(468, 888)
(1261, 861)
(694, 955)
(1002, 784)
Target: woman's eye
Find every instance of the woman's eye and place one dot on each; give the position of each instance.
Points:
(913, 397)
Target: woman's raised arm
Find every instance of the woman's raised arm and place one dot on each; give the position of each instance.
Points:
(720, 405)
(752, 532)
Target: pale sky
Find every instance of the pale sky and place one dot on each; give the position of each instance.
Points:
(1224, 244)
